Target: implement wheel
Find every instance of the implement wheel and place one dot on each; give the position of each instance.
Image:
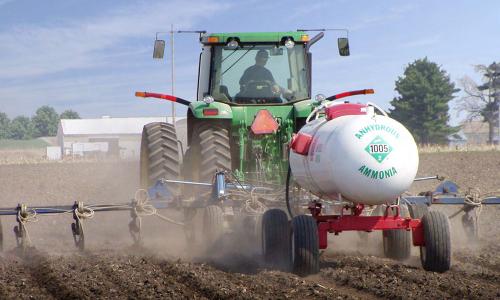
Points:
(417, 211)
(397, 242)
(436, 254)
(213, 224)
(159, 155)
(276, 240)
(305, 245)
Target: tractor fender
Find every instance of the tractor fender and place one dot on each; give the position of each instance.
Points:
(302, 109)
(195, 114)
(223, 110)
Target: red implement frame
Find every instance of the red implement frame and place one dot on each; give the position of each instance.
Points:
(356, 222)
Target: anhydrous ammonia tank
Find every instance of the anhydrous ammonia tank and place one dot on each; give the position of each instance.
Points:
(356, 154)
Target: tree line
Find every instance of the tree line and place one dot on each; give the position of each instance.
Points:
(425, 91)
(43, 123)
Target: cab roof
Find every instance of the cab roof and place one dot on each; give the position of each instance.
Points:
(249, 37)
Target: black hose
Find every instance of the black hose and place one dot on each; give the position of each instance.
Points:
(287, 190)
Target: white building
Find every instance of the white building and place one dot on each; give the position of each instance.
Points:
(108, 136)
(477, 132)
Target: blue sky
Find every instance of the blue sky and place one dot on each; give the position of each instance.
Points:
(91, 56)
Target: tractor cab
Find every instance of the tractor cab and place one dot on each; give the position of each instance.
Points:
(256, 68)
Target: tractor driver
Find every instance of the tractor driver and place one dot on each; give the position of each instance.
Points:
(258, 74)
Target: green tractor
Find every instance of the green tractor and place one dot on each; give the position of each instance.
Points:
(254, 93)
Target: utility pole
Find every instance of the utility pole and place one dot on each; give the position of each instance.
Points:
(172, 69)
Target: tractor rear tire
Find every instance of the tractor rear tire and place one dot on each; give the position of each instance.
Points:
(397, 242)
(215, 149)
(276, 240)
(418, 211)
(159, 155)
(305, 245)
(436, 254)
(210, 152)
(213, 224)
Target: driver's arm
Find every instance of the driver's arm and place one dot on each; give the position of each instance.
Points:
(276, 88)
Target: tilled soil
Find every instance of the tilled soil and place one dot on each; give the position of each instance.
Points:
(352, 268)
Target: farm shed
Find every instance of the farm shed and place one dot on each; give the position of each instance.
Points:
(118, 137)
(476, 132)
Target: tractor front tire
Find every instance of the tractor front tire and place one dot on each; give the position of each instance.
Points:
(276, 246)
(159, 155)
(397, 242)
(436, 254)
(305, 245)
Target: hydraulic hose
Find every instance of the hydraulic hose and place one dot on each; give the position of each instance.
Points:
(287, 191)
(163, 96)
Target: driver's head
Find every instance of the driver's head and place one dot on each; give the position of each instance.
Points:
(261, 57)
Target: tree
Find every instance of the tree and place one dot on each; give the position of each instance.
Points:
(482, 101)
(422, 105)
(69, 114)
(4, 125)
(20, 128)
(45, 121)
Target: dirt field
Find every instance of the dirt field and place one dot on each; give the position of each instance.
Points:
(164, 268)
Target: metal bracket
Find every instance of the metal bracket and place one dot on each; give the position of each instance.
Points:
(393, 209)
(77, 227)
(134, 226)
(20, 230)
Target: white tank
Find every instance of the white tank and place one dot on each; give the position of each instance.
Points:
(366, 158)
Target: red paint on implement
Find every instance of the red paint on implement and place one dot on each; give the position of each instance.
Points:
(345, 109)
(301, 143)
(336, 224)
(355, 222)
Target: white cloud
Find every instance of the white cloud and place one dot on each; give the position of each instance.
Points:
(95, 64)
(82, 44)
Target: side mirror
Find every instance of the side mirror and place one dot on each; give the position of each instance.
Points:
(159, 49)
(343, 46)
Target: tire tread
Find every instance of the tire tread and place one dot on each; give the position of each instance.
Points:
(305, 235)
(276, 239)
(159, 154)
(437, 242)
